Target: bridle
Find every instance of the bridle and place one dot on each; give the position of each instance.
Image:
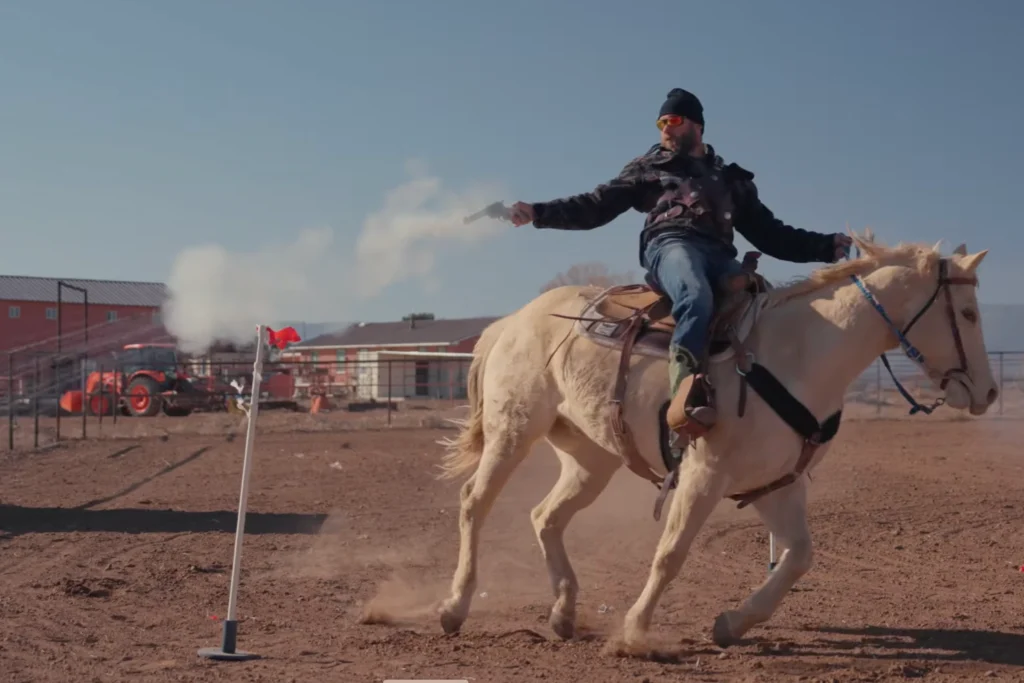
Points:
(943, 285)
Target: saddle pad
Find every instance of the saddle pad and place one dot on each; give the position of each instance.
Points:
(604, 321)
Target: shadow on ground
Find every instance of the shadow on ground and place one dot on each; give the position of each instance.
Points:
(928, 644)
(16, 520)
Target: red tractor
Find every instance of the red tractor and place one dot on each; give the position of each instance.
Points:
(145, 380)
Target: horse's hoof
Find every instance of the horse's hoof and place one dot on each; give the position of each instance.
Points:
(450, 623)
(563, 625)
(633, 638)
(722, 632)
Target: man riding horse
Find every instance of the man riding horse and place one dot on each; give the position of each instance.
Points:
(693, 201)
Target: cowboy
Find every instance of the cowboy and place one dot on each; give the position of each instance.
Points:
(693, 201)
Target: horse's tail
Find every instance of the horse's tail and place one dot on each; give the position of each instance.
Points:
(465, 451)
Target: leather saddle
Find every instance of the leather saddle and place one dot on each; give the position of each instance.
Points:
(640, 315)
(638, 318)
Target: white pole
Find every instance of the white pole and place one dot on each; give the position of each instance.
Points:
(771, 551)
(227, 649)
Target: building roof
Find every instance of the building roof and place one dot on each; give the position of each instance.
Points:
(102, 292)
(417, 333)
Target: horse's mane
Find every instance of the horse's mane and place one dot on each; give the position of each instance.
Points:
(917, 256)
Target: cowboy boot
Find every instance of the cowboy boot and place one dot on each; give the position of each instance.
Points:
(686, 421)
(680, 366)
(677, 440)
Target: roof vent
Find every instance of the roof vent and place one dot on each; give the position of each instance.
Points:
(413, 317)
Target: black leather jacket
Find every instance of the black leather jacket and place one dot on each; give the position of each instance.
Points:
(706, 198)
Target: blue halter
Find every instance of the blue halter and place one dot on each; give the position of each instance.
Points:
(912, 352)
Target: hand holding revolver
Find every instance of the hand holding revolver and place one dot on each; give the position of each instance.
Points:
(521, 213)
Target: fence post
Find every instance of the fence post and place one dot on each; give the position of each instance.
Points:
(56, 382)
(115, 378)
(85, 397)
(878, 387)
(1001, 354)
(390, 362)
(35, 407)
(10, 401)
(102, 397)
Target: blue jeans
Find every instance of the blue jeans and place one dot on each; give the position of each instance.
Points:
(687, 270)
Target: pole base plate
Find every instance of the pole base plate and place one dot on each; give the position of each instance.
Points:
(219, 653)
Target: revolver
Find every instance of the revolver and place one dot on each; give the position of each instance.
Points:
(495, 210)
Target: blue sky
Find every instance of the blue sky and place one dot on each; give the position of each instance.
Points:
(136, 129)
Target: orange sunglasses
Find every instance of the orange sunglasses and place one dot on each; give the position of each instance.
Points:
(669, 120)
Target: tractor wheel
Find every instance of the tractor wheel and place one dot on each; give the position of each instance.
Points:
(101, 404)
(144, 398)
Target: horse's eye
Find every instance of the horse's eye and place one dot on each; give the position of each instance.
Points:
(969, 315)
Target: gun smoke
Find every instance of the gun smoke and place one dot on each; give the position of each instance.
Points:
(219, 295)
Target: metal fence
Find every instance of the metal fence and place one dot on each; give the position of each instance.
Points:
(49, 398)
(874, 394)
(38, 392)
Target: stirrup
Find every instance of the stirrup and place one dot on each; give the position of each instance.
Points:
(695, 423)
(667, 485)
(700, 419)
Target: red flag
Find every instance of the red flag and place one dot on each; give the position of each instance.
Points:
(281, 338)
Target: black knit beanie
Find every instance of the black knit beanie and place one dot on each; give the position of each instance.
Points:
(683, 103)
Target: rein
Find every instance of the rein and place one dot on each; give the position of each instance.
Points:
(943, 285)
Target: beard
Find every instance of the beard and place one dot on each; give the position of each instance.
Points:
(684, 141)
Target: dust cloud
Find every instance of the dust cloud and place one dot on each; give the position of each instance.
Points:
(612, 538)
(219, 293)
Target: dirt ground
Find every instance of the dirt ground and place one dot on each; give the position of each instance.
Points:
(115, 556)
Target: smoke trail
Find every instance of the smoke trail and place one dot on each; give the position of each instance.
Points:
(216, 294)
(401, 240)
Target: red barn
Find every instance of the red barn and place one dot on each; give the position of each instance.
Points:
(39, 315)
(415, 358)
(116, 310)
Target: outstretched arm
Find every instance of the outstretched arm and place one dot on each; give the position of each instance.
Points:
(758, 224)
(591, 209)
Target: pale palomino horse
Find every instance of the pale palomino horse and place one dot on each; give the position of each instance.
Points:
(534, 376)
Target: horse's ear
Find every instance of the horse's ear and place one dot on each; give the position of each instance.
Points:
(971, 263)
(865, 242)
(961, 250)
